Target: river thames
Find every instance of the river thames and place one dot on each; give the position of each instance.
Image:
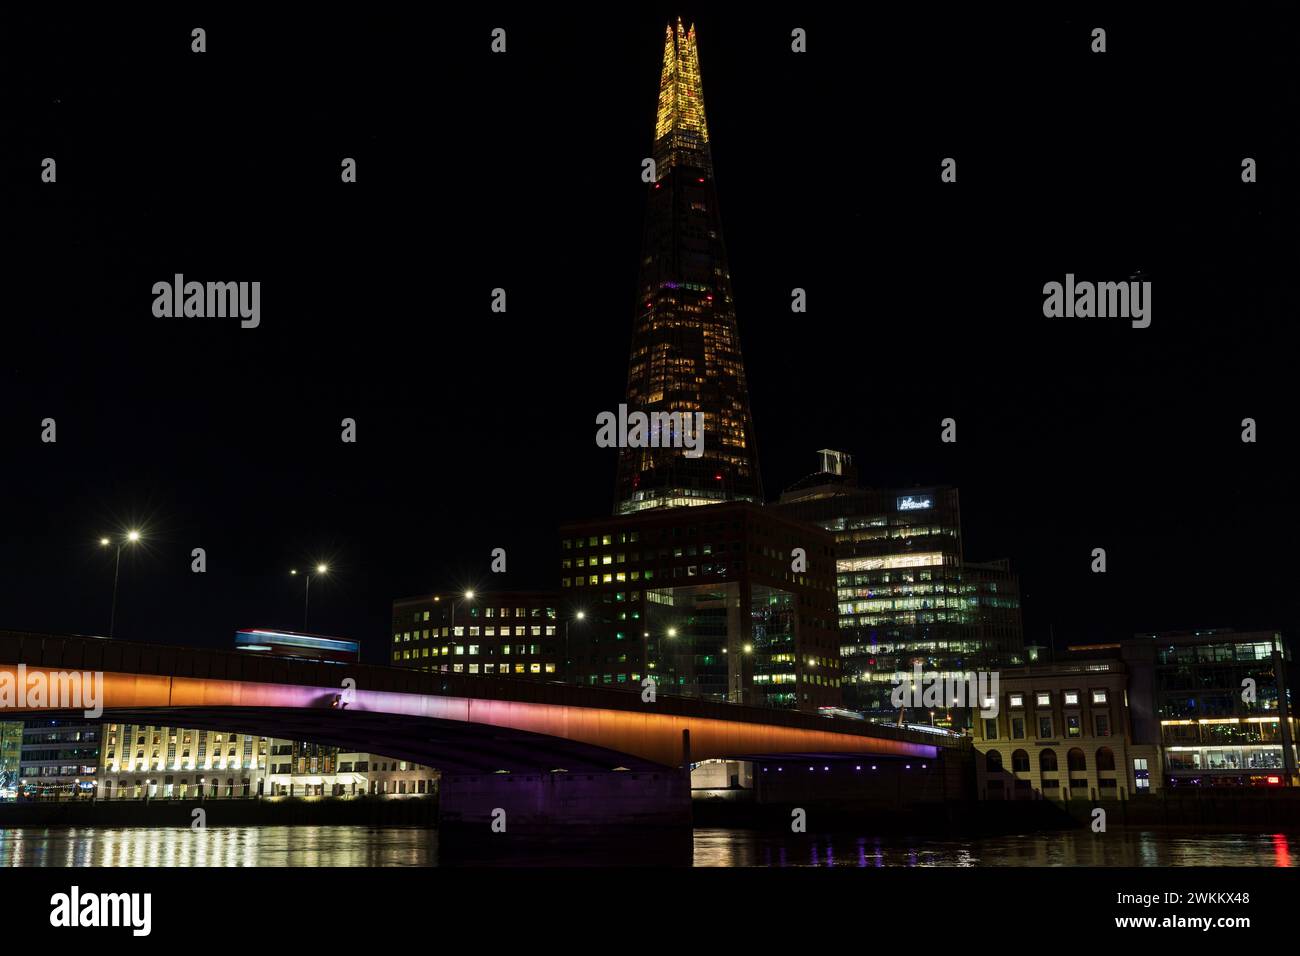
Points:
(330, 846)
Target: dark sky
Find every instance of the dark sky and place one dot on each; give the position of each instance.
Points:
(476, 430)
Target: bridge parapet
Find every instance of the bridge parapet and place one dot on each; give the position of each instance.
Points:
(72, 652)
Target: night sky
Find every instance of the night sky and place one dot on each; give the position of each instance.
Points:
(476, 430)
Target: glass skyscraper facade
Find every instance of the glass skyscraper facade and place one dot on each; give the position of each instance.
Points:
(1224, 707)
(905, 594)
(686, 357)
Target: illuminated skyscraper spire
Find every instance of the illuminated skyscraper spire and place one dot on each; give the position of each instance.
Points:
(681, 127)
(685, 342)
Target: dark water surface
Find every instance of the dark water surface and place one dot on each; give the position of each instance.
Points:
(714, 847)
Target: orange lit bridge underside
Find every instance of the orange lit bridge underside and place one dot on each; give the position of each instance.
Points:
(462, 733)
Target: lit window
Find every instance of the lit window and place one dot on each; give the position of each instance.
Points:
(1044, 699)
(1099, 697)
(1141, 775)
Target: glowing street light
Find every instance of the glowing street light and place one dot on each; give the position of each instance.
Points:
(467, 595)
(306, 591)
(578, 616)
(131, 537)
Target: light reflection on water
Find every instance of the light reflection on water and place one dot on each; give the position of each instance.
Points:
(715, 847)
(1117, 847)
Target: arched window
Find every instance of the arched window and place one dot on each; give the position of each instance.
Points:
(1105, 758)
(1020, 761)
(1047, 761)
(993, 761)
(1076, 760)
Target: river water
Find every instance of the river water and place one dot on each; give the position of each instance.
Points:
(317, 846)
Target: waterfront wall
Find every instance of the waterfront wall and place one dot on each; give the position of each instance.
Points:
(1210, 808)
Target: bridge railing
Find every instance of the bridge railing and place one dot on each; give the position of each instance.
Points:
(73, 652)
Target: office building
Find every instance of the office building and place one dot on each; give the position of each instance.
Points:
(1222, 702)
(308, 770)
(905, 594)
(514, 634)
(161, 762)
(1170, 710)
(711, 602)
(1072, 730)
(60, 759)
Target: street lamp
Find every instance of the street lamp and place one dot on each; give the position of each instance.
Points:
(306, 591)
(580, 616)
(131, 537)
(673, 660)
(468, 596)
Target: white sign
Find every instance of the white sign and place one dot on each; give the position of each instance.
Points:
(910, 503)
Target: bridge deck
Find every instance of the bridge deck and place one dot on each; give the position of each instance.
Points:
(205, 686)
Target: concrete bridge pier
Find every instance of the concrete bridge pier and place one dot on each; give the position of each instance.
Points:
(506, 807)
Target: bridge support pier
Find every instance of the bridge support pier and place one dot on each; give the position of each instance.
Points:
(500, 806)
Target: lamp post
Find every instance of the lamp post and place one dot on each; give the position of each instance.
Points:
(580, 616)
(131, 537)
(306, 591)
(451, 622)
(674, 675)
